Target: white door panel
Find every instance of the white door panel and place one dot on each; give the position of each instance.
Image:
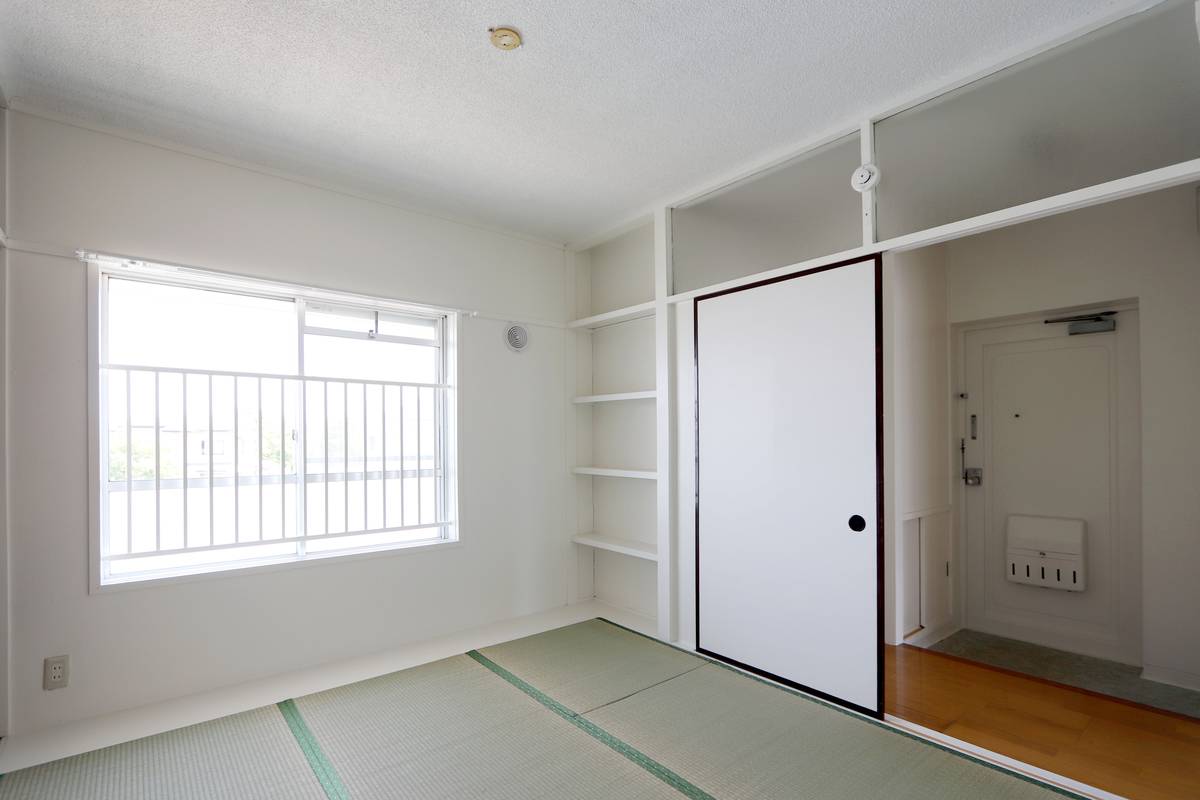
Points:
(787, 416)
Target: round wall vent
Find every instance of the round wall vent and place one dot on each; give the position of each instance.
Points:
(517, 337)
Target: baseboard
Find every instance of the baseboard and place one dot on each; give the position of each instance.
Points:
(26, 750)
(931, 636)
(631, 618)
(1174, 677)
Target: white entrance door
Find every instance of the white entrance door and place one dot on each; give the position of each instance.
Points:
(788, 514)
(1053, 421)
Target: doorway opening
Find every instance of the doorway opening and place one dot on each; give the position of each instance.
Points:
(1041, 539)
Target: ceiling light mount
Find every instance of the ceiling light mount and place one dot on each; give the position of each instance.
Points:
(505, 38)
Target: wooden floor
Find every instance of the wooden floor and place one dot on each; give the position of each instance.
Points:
(1114, 745)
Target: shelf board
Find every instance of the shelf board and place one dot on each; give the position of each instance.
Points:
(601, 472)
(614, 544)
(613, 317)
(609, 398)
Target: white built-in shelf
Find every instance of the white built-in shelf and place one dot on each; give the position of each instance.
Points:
(609, 398)
(601, 472)
(613, 317)
(614, 544)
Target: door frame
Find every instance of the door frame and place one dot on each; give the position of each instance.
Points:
(958, 430)
(877, 259)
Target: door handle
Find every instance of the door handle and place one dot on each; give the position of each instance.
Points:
(857, 524)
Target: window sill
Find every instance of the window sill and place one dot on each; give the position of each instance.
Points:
(254, 568)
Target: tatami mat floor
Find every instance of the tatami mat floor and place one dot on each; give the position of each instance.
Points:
(586, 711)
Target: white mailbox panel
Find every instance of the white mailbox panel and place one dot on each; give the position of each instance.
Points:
(1046, 551)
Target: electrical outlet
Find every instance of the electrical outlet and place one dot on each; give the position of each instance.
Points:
(56, 671)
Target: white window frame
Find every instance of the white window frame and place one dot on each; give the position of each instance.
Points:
(101, 267)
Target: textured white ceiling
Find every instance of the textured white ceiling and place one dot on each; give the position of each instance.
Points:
(610, 106)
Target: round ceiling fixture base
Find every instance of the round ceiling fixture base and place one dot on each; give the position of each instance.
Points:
(505, 38)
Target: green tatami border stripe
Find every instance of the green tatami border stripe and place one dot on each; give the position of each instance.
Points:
(877, 723)
(321, 767)
(644, 761)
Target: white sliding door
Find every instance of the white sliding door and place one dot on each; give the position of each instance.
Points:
(788, 514)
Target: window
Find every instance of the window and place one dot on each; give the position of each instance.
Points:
(243, 423)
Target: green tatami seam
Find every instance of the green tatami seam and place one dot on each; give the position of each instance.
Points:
(667, 776)
(321, 766)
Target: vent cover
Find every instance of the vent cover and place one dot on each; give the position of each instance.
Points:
(517, 337)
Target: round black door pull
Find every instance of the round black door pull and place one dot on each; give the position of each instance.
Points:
(857, 523)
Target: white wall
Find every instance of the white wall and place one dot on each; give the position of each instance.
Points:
(917, 413)
(1146, 248)
(921, 391)
(622, 270)
(72, 188)
(3, 166)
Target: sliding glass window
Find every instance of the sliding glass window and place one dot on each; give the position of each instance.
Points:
(248, 427)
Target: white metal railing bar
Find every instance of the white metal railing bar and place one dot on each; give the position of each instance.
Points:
(183, 394)
(237, 448)
(284, 540)
(325, 418)
(271, 375)
(383, 439)
(402, 517)
(419, 455)
(282, 463)
(346, 452)
(259, 456)
(437, 453)
(302, 447)
(129, 462)
(157, 469)
(211, 504)
(366, 453)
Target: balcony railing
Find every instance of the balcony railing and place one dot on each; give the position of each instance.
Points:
(198, 461)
